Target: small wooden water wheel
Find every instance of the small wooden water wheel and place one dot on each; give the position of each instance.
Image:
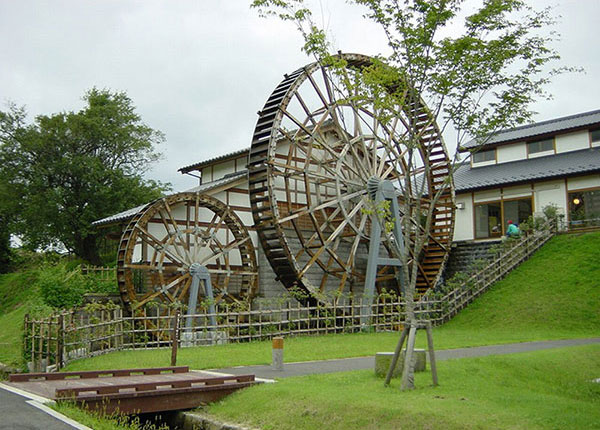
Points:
(167, 237)
(312, 154)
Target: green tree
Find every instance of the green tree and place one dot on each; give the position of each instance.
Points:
(477, 70)
(66, 170)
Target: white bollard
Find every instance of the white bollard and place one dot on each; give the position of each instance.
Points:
(277, 363)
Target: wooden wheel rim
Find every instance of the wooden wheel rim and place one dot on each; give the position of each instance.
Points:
(277, 210)
(207, 232)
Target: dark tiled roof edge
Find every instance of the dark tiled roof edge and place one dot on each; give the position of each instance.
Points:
(567, 164)
(566, 121)
(223, 157)
(127, 214)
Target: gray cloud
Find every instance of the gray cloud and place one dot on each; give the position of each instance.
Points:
(199, 70)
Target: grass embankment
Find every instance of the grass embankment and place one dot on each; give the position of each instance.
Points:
(98, 421)
(554, 295)
(550, 389)
(17, 295)
(39, 284)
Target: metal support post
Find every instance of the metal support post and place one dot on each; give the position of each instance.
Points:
(200, 273)
(380, 191)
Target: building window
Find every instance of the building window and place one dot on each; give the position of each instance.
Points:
(595, 136)
(584, 208)
(488, 220)
(492, 218)
(516, 211)
(481, 156)
(540, 146)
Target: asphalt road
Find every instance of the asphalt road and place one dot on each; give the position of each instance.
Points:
(17, 414)
(360, 363)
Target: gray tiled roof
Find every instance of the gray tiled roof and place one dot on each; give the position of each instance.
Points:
(467, 178)
(543, 128)
(201, 164)
(125, 215)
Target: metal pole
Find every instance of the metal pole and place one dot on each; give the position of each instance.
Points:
(192, 301)
(212, 313)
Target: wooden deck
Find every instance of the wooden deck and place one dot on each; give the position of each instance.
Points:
(133, 390)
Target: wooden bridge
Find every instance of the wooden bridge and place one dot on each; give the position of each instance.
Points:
(131, 391)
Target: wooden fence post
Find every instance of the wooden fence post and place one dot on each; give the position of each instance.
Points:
(175, 338)
(60, 335)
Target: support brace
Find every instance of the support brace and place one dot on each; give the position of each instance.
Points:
(200, 273)
(380, 191)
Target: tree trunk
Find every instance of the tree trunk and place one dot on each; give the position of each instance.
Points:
(87, 248)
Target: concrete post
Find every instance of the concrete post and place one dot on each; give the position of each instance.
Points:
(277, 363)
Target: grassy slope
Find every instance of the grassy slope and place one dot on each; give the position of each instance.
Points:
(16, 294)
(549, 389)
(554, 295)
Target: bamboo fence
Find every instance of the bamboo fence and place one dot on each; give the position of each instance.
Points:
(67, 336)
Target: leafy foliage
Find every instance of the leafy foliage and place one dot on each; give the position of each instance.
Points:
(63, 287)
(66, 170)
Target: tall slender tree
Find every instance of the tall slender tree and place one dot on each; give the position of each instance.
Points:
(477, 70)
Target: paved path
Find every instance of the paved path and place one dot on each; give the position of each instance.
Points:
(20, 413)
(347, 364)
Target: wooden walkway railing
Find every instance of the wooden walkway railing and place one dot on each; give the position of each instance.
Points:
(67, 336)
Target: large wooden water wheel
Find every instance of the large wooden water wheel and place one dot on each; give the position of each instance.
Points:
(167, 237)
(312, 153)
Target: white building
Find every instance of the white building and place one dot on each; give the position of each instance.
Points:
(520, 171)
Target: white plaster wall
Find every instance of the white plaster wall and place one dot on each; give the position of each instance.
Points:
(241, 163)
(551, 192)
(582, 182)
(512, 152)
(206, 175)
(222, 169)
(487, 195)
(246, 218)
(239, 199)
(221, 195)
(572, 141)
(518, 191)
(463, 227)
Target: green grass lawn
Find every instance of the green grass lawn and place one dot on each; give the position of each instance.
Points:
(16, 296)
(549, 389)
(554, 295)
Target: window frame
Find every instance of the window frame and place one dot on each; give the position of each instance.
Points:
(570, 202)
(592, 141)
(540, 141)
(486, 151)
(502, 225)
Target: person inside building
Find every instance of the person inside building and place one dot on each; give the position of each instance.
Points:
(512, 230)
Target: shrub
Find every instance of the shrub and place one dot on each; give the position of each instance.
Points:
(61, 288)
(63, 285)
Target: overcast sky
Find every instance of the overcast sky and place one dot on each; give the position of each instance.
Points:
(200, 70)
